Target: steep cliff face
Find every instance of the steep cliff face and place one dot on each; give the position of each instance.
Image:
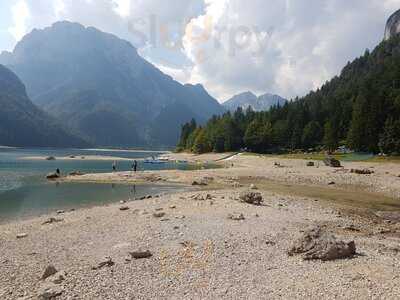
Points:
(392, 25)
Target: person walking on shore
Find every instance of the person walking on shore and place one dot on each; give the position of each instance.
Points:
(134, 166)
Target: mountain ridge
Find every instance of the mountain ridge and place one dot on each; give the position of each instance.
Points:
(260, 103)
(22, 124)
(75, 61)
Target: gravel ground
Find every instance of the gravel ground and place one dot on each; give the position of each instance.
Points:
(198, 252)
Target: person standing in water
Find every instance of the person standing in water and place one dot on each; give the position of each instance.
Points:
(134, 166)
(114, 166)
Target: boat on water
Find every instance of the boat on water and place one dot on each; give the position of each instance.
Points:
(154, 160)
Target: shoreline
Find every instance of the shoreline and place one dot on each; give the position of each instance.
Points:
(207, 244)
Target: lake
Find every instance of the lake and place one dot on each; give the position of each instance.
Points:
(24, 191)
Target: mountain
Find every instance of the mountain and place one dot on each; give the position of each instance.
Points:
(22, 124)
(99, 86)
(262, 103)
(392, 25)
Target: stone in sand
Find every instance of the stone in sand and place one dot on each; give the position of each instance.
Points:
(57, 278)
(310, 164)
(317, 244)
(159, 214)
(251, 198)
(52, 220)
(332, 162)
(141, 254)
(22, 235)
(362, 172)
(253, 187)
(49, 271)
(106, 262)
(199, 183)
(236, 217)
(49, 291)
(124, 208)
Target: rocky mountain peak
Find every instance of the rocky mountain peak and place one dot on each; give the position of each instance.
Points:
(392, 25)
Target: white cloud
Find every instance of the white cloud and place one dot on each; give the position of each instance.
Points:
(20, 14)
(286, 47)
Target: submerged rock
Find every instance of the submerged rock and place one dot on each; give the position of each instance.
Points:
(316, 244)
(52, 176)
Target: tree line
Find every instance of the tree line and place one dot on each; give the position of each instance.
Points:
(359, 109)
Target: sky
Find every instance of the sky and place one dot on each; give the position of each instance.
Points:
(285, 47)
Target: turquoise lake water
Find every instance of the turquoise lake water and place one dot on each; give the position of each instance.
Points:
(24, 191)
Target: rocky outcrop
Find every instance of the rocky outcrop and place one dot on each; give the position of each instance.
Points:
(317, 244)
(392, 25)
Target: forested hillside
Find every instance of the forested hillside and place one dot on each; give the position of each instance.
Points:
(359, 109)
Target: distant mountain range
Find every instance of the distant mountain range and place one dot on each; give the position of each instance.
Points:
(23, 124)
(97, 85)
(248, 99)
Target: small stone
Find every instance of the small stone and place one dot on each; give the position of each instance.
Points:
(49, 291)
(49, 271)
(141, 254)
(106, 262)
(122, 202)
(332, 183)
(236, 217)
(60, 212)
(172, 207)
(124, 208)
(253, 187)
(159, 214)
(52, 220)
(57, 278)
(22, 235)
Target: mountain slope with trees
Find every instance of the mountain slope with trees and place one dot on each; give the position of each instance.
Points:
(359, 109)
(22, 124)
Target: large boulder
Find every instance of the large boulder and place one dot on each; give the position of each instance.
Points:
(332, 162)
(251, 197)
(317, 244)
